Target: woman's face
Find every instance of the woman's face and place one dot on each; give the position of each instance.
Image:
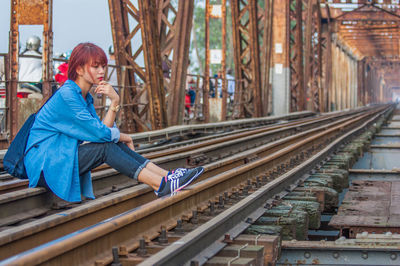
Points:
(93, 73)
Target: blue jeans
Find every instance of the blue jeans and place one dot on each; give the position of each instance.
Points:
(117, 155)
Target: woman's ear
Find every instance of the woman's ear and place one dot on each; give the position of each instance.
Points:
(79, 71)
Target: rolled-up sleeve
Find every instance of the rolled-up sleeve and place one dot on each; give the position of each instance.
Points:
(115, 134)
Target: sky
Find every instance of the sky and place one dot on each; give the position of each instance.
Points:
(74, 21)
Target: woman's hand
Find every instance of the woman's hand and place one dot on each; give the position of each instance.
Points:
(106, 89)
(130, 145)
(125, 138)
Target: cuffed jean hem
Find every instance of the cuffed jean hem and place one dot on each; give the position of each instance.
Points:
(140, 168)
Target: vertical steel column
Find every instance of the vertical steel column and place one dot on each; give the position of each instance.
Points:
(266, 51)
(247, 55)
(28, 12)
(238, 111)
(180, 60)
(316, 58)
(152, 59)
(152, 115)
(223, 61)
(328, 63)
(308, 53)
(12, 79)
(360, 83)
(297, 95)
(47, 57)
(123, 57)
(206, 82)
(175, 36)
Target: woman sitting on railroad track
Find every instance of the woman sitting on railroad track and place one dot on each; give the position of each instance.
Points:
(61, 161)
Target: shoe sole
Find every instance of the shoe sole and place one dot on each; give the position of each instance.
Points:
(190, 180)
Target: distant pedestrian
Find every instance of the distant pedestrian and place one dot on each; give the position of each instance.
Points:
(231, 83)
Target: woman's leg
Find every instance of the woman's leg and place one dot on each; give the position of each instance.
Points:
(131, 164)
(156, 169)
(150, 166)
(150, 178)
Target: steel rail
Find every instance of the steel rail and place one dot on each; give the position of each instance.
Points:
(105, 181)
(86, 244)
(49, 228)
(16, 184)
(10, 183)
(232, 220)
(167, 133)
(230, 145)
(110, 180)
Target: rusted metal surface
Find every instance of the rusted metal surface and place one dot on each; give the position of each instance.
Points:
(247, 58)
(123, 53)
(369, 250)
(206, 81)
(297, 91)
(367, 35)
(141, 111)
(308, 50)
(316, 86)
(12, 83)
(121, 198)
(224, 84)
(47, 52)
(23, 12)
(327, 62)
(150, 137)
(94, 244)
(266, 52)
(151, 51)
(31, 12)
(109, 180)
(370, 206)
(175, 36)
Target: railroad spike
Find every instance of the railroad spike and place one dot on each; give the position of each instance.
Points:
(212, 208)
(220, 202)
(116, 261)
(194, 219)
(179, 227)
(142, 251)
(163, 239)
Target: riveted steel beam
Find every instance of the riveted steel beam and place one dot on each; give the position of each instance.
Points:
(27, 12)
(247, 58)
(297, 93)
(316, 40)
(266, 54)
(47, 52)
(175, 36)
(312, 54)
(152, 58)
(144, 98)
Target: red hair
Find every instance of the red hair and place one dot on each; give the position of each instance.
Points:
(85, 54)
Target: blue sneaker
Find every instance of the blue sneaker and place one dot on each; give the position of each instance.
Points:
(178, 180)
(177, 173)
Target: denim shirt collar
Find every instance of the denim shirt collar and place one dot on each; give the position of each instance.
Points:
(72, 84)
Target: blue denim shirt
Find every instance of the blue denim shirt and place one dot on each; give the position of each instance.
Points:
(64, 122)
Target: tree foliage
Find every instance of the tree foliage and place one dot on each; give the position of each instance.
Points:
(197, 47)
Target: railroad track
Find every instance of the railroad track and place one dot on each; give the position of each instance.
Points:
(228, 177)
(176, 133)
(175, 137)
(28, 203)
